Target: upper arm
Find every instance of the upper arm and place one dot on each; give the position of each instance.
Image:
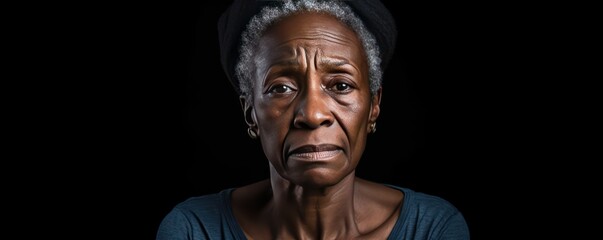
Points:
(454, 228)
(174, 226)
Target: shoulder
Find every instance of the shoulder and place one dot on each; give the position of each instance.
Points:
(206, 205)
(199, 217)
(428, 204)
(425, 215)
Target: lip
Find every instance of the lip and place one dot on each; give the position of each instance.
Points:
(315, 152)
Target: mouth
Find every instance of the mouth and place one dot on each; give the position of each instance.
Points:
(315, 152)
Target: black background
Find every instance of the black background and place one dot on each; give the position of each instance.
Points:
(155, 120)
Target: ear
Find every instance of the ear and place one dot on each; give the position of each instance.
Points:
(375, 110)
(248, 112)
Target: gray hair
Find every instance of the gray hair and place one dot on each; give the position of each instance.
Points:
(258, 24)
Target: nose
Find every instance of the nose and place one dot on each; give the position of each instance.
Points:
(313, 109)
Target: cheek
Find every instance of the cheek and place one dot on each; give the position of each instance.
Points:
(354, 117)
(356, 129)
(354, 120)
(271, 119)
(273, 123)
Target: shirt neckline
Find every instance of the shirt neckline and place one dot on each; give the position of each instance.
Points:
(226, 196)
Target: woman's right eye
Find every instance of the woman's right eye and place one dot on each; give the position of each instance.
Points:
(280, 89)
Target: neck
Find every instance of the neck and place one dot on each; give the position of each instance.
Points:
(313, 212)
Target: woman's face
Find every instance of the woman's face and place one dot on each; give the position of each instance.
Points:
(312, 105)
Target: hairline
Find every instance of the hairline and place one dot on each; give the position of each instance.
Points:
(269, 15)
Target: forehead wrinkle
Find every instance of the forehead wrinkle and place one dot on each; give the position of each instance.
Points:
(329, 35)
(321, 60)
(291, 52)
(286, 56)
(301, 54)
(291, 62)
(321, 34)
(317, 56)
(327, 62)
(324, 37)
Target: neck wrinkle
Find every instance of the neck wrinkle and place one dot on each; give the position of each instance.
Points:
(313, 213)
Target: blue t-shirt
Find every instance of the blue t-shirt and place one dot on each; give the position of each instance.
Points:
(422, 216)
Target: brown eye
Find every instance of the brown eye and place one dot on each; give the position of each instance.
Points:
(280, 89)
(341, 87)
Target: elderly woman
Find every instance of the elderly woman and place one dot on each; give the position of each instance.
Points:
(309, 76)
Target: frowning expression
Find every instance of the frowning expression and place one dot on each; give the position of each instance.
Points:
(311, 98)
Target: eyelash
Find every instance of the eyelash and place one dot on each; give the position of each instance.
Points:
(334, 85)
(275, 87)
(348, 87)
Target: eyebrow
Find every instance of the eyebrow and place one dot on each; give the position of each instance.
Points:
(334, 63)
(327, 64)
(287, 62)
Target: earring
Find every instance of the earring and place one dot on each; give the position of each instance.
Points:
(373, 127)
(252, 134)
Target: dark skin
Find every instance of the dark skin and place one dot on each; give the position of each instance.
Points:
(312, 108)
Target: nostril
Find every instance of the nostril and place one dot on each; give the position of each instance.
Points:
(314, 120)
(300, 124)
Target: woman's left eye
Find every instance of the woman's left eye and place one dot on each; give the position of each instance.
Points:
(341, 87)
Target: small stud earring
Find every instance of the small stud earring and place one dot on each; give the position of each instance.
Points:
(252, 134)
(373, 127)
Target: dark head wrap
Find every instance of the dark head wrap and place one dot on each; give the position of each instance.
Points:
(233, 22)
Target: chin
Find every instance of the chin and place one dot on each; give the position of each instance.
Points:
(317, 178)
